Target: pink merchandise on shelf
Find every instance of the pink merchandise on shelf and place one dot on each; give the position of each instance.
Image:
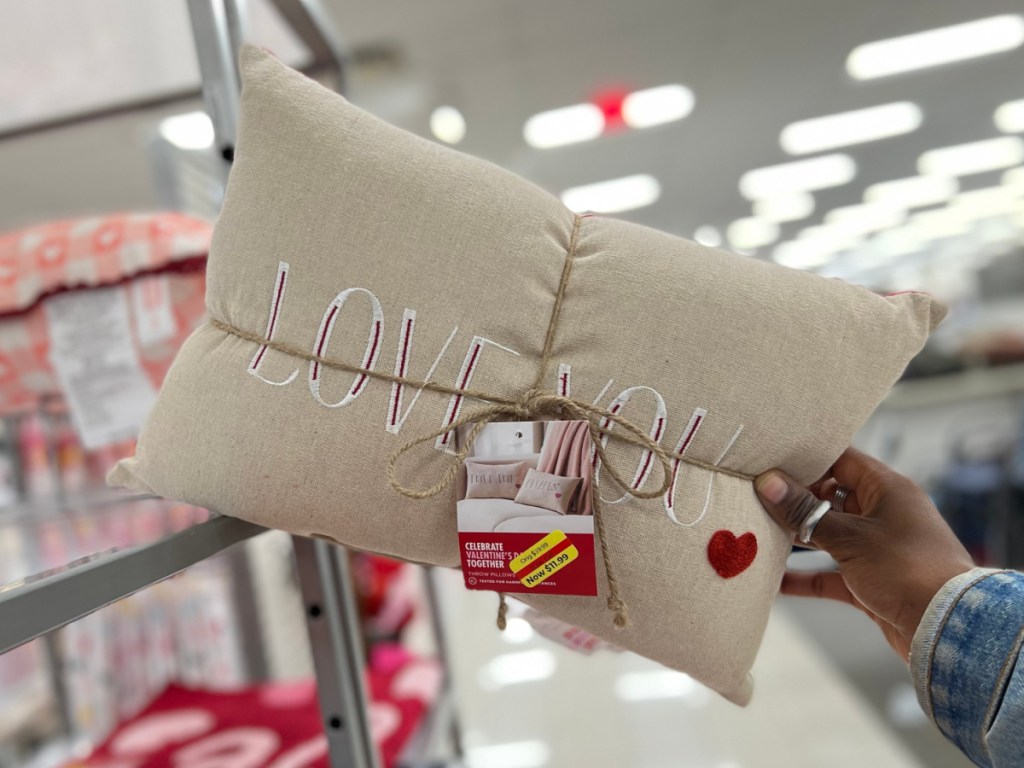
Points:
(99, 462)
(155, 262)
(119, 659)
(279, 723)
(71, 464)
(205, 627)
(190, 727)
(182, 516)
(24, 671)
(37, 471)
(88, 533)
(149, 520)
(118, 532)
(88, 675)
(55, 542)
(8, 472)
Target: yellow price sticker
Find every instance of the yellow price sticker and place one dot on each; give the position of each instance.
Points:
(544, 559)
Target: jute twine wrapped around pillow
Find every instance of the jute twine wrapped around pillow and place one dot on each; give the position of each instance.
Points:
(346, 243)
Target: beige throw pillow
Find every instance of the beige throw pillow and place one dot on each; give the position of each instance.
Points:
(542, 489)
(493, 481)
(345, 236)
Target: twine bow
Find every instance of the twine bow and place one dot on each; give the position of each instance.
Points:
(535, 404)
(538, 405)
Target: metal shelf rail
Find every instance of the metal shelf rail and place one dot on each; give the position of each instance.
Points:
(42, 603)
(305, 17)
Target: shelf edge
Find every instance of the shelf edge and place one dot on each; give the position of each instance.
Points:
(39, 604)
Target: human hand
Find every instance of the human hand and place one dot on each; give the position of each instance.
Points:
(893, 548)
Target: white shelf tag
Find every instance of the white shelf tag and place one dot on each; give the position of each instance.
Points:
(92, 353)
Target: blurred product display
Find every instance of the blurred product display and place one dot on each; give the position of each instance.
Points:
(107, 674)
(278, 722)
(152, 267)
(92, 312)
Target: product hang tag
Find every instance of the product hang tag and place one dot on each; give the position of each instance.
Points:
(91, 350)
(151, 306)
(525, 520)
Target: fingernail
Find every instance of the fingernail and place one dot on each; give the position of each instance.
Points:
(771, 487)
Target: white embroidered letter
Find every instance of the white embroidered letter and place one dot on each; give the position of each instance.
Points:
(696, 419)
(657, 431)
(469, 366)
(564, 379)
(395, 416)
(565, 383)
(711, 483)
(323, 340)
(276, 300)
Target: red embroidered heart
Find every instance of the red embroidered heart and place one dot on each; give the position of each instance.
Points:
(558, 495)
(730, 555)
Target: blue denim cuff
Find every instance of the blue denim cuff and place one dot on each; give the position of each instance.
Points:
(962, 654)
(927, 634)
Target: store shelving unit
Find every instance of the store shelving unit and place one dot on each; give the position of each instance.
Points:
(973, 384)
(34, 606)
(39, 604)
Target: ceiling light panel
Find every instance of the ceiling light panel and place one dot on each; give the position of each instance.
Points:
(985, 203)
(191, 130)
(800, 176)
(899, 242)
(935, 47)
(655, 106)
(1009, 117)
(936, 225)
(448, 125)
(913, 192)
(780, 208)
(613, 196)
(708, 235)
(803, 254)
(864, 219)
(585, 122)
(975, 157)
(1013, 180)
(751, 233)
(568, 125)
(830, 237)
(819, 134)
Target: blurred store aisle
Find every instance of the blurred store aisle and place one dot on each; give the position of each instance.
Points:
(528, 703)
(855, 649)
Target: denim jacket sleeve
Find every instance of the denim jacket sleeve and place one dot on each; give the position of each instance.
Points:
(968, 665)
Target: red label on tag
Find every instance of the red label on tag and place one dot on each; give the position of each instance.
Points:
(487, 563)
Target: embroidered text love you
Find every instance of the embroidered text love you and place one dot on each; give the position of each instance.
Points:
(404, 398)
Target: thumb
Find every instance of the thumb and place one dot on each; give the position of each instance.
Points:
(790, 504)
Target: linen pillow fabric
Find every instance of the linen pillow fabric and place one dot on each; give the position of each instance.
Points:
(493, 481)
(542, 489)
(342, 233)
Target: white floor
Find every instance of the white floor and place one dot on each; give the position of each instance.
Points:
(528, 703)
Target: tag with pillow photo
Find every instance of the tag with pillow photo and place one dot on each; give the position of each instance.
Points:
(525, 518)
